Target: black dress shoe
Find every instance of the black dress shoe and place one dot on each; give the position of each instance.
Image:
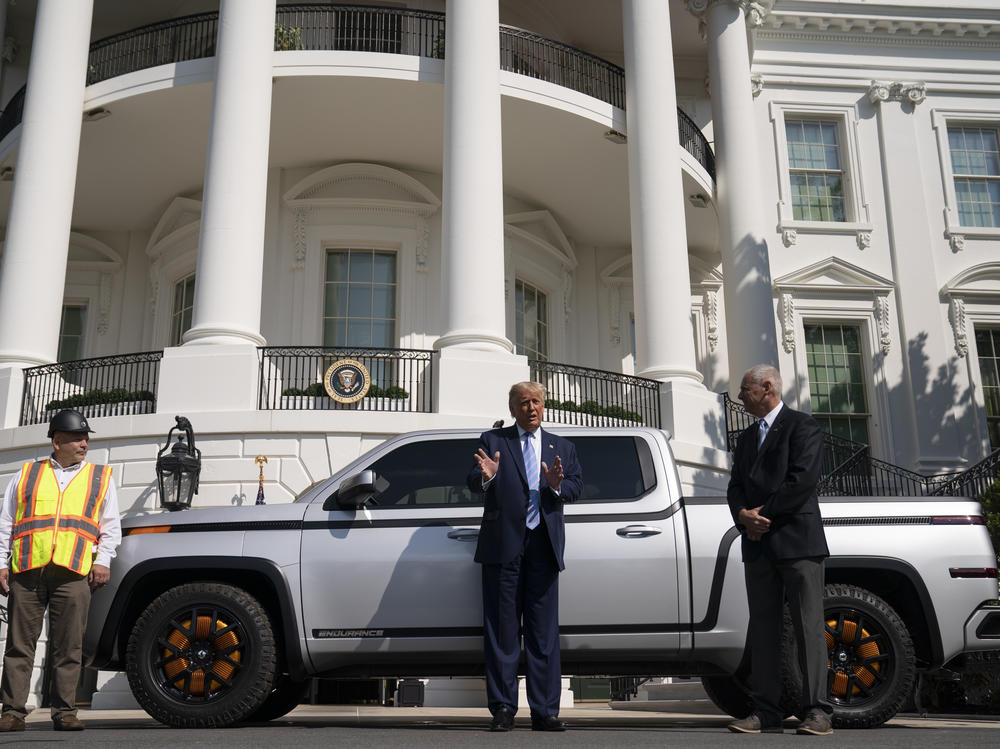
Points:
(548, 723)
(503, 720)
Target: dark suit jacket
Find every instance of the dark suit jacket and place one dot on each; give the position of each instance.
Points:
(501, 536)
(781, 477)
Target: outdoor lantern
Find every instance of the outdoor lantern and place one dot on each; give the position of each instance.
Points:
(177, 472)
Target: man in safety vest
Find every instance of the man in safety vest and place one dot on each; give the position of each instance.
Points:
(55, 513)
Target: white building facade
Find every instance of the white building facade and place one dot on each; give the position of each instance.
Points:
(464, 194)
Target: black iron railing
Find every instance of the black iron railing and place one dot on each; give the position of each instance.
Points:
(595, 397)
(848, 468)
(312, 26)
(291, 379)
(103, 386)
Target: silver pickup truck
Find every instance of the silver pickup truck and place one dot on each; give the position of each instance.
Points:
(219, 615)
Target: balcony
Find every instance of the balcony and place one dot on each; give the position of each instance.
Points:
(305, 26)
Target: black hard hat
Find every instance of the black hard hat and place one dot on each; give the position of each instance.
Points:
(68, 420)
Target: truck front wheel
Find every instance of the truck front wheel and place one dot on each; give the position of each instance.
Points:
(201, 655)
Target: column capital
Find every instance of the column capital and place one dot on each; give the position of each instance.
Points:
(880, 91)
(755, 11)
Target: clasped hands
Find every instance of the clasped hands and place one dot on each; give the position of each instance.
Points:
(488, 468)
(755, 524)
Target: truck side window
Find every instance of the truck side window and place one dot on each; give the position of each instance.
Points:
(614, 467)
(430, 473)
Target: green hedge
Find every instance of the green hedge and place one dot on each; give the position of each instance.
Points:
(594, 408)
(97, 397)
(316, 390)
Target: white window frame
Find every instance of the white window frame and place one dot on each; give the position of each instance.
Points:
(85, 303)
(173, 308)
(859, 298)
(394, 249)
(173, 255)
(548, 314)
(941, 119)
(856, 207)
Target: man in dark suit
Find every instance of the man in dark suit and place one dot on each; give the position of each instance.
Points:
(772, 495)
(526, 474)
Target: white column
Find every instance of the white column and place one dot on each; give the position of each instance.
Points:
(222, 357)
(231, 246)
(476, 357)
(750, 324)
(33, 271)
(472, 201)
(661, 277)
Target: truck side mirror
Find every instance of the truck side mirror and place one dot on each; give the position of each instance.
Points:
(353, 493)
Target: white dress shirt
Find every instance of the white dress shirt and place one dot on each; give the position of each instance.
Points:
(111, 524)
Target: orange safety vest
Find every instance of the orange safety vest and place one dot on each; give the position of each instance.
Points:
(53, 526)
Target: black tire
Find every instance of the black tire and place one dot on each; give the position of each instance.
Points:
(728, 695)
(208, 674)
(284, 697)
(870, 674)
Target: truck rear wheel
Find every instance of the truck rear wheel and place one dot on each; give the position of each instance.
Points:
(872, 662)
(201, 655)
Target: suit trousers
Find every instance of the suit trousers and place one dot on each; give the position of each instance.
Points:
(769, 584)
(525, 589)
(67, 596)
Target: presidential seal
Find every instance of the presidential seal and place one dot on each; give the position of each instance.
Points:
(347, 381)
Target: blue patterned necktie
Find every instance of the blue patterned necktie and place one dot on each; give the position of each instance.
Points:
(531, 471)
(761, 433)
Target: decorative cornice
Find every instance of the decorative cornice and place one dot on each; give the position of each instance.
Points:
(880, 91)
(956, 315)
(865, 23)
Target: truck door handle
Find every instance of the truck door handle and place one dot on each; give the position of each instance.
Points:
(638, 531)
(464, 534)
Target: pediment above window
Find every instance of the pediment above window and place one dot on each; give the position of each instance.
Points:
(87, 253)
(833, 274)
(981, 280)
(363, 186)
(181, 220)
(540, 231)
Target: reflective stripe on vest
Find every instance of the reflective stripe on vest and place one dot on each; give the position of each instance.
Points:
(54, 526)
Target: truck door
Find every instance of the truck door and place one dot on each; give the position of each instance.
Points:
(619, 594)
(397, 577)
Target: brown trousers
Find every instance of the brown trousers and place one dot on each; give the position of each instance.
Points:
(67, 596)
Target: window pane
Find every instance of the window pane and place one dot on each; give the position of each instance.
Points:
(529, 321)
(836, 378)
(71, 333)
(353, 303)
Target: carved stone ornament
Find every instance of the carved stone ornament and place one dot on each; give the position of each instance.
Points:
(956, 313)
(882, 309)
(154, 283)
(567, 293)
(756, 13)
(957, 242)
(711, 304)
(864, 240)
(789, 237)
(103, 303)
(614, 313)
(786, 310)
(756, 84)
(299, 236)
(423, 242)
(697, 7)
(880, 91)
